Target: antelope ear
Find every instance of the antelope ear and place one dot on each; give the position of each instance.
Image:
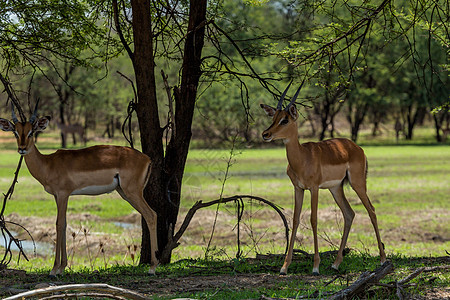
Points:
(293, 112)
(270, 111)
(41, 124)
(6, 125)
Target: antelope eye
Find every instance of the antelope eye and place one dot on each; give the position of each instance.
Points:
(16, 134)
(30, 133)
(284, 122)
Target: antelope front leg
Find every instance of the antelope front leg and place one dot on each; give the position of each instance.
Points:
(297, 210)
(314, 207)
(60, 252)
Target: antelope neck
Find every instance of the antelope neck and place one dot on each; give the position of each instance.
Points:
(34, 160)
(293, 148)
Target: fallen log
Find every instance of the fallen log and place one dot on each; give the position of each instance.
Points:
(364, 281)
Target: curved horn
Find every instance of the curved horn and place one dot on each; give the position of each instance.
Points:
(295, 96)
(13, 114)
(34, 115)
(280, 103)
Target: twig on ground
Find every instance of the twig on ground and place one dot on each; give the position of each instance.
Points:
(333, 280)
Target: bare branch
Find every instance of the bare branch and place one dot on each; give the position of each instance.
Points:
(173, 243)
(12, 96)
(119, 30)
(8, 254)
(171, 119)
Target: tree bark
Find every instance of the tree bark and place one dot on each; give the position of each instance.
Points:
(163, 190)
(185, 96)
(147, 111)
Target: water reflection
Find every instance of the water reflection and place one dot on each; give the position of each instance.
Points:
(28, 246)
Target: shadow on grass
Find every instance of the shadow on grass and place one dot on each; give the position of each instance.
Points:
(247, 278)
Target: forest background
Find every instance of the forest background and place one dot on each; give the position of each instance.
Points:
(391, 74)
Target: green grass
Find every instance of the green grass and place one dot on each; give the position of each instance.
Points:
(408, 185)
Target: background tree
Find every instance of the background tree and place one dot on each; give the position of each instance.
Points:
(341, 35)
(35, 32)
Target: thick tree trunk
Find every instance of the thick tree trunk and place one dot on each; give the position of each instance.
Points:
(147, 111)
(185, 96)
(163, 190)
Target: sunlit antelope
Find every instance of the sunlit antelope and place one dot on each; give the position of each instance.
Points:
(91, 171)
(323, 165)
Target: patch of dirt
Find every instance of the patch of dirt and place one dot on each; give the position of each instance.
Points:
(133, 218)
(81, 239)
(435, 294)
(260, 229)
(161, 286)
(191, 284)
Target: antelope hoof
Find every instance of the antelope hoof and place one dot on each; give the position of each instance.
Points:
(334, 267)
(152, 271)
(335, 270)
(52, 276)
(283, 272)
(53, 273)
(315, 272)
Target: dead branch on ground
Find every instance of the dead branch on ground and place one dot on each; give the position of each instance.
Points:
(365, 280)
(95, 290)
(400, 285)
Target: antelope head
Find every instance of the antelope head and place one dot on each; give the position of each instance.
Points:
(24, 131)
(283, 120)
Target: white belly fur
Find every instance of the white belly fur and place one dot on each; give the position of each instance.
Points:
(330, 184)
(97, 189)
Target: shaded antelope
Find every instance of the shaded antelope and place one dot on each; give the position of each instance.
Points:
(322, 165)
